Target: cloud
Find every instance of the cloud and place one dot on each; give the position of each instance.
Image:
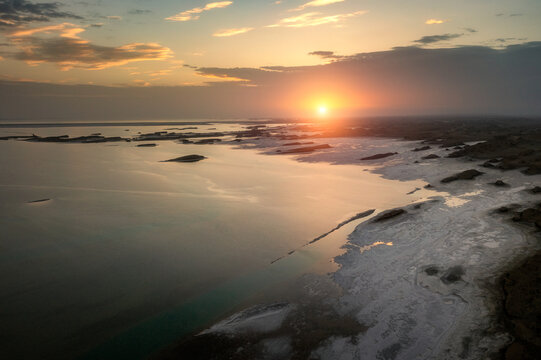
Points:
(314, 19)
(67, 50)
(434, 21)
(328, 55)
(18, 12)
(139, 12)
(470, 30)
(114, 17)
(509, 15)
(224, 74)
(192, 14)
(431, 39)
(65, 30)
(232, 32)
(404, 81)
(96, 25)
(316, 3)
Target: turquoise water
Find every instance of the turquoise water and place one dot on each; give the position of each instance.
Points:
(131, 253)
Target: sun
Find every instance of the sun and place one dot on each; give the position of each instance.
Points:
(322, 110)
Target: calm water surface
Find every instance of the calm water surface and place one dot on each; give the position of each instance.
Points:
(131, 253)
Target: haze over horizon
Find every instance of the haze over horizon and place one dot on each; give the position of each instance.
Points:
(136, 59)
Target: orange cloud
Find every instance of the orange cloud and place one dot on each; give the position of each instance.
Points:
(316, 3)
(434, 21)
(66, 49)
(314, 19)
(65, 29)
(192, 14)
(232, 32)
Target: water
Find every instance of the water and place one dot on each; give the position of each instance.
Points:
(131, 253)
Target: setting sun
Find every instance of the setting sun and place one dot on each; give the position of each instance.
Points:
(322, 110)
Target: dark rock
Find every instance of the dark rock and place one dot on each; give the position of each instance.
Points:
(499, 183)
(530, 216)
(147, 145)
(422, 148)
(522, 309)
(386, 215)
(38, 201)
(187, 158)
(15, 137)
(428, 186)
(488, 164)
(503, 209)
(536, 190)
(306, 149)
(431, 156)
(207, 141)
(298, 143)
(452, 275)
(379, 156)
(451, 143)
(101, 140)
(432, 271)
(465, 175)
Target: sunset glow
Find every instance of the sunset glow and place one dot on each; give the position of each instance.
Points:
(300, 58)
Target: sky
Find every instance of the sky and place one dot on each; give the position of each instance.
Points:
(257, 58)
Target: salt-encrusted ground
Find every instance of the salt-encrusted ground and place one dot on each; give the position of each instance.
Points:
(424, 282)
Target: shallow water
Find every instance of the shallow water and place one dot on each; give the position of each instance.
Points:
(131, 253)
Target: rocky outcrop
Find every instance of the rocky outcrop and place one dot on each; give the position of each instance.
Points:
(187, 158)
(379, 156)
(465, 175)
(530, 216)
(500, 183)
(389, 214)
(522, 309)
(38, 201)
(306, 149)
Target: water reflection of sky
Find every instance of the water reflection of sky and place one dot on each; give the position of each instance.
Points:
(127, 237)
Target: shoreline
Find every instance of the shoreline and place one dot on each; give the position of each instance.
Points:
(457, 282)
(475, 328)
